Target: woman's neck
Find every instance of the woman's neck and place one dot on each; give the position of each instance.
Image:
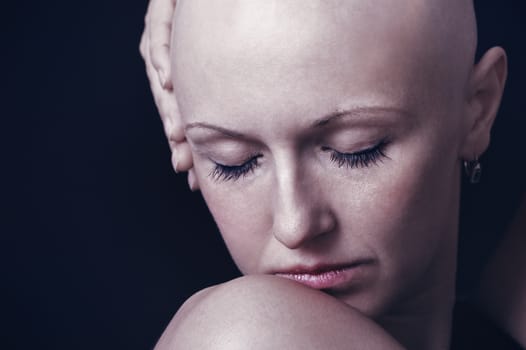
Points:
(424, 320)
(427, 329)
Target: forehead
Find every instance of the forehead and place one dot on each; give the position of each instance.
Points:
(234, 55)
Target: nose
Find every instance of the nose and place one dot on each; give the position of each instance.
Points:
(300, 214)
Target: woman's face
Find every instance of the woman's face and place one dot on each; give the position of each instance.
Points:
(322, 145)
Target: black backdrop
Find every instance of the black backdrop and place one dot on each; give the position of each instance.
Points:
(100, 240)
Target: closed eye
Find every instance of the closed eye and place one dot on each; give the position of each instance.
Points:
(223, 172)
(360, 159)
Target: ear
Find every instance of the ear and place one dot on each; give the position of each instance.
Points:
(485, 90)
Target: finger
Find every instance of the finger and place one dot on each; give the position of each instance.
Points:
(184, 157)
(143, 45)
(158, 92)
(166, 103)
(165, 98)
(192, 180)
(160, 27)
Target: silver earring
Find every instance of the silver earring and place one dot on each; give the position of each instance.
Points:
(473, 170)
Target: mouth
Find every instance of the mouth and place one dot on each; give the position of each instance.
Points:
(331, 278)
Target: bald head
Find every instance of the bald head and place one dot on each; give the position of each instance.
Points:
(287, 38)
(260, 80)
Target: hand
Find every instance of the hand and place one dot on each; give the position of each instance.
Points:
(155, 50)
(155, 41)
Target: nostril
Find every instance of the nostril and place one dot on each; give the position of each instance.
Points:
(327, 222)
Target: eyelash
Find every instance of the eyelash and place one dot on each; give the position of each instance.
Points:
(360, 159)
(234, 172)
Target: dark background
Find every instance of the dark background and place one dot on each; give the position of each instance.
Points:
(100, 240)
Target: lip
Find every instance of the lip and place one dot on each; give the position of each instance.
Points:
(327, 277)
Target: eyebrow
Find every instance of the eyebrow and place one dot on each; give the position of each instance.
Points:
(320, 122)
(357, 112)
(228, 132)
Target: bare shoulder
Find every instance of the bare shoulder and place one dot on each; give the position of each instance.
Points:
(266, 312)
(172, 335)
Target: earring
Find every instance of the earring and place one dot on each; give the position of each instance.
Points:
(473, 170)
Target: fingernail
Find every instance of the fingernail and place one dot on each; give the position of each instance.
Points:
(162, 78)
(192, 182)
(175, 160)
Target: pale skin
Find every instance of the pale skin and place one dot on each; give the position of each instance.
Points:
(266, 312)
(434, 108)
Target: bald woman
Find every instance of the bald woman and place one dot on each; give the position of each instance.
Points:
(326, 138)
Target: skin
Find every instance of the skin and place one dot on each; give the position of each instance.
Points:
(255, 69)
(498, 296)
(266, 312)
(154, 48)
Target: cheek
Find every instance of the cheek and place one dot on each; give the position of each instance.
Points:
(405, 211)
(241, 214)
